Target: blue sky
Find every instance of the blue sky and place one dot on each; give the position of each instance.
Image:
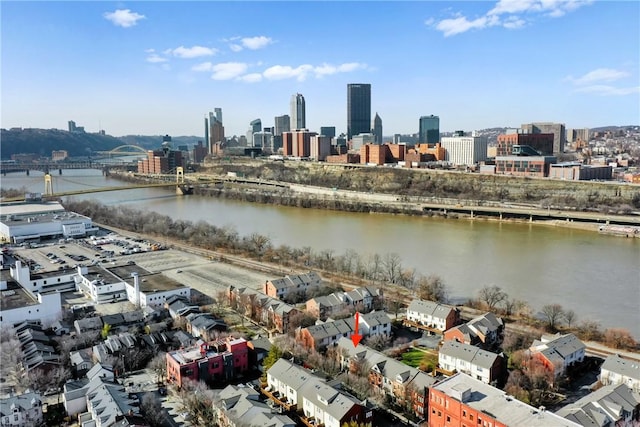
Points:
(159, 67)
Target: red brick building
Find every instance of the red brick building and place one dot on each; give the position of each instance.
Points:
(542, 142)
(215, 361)
(297, 143)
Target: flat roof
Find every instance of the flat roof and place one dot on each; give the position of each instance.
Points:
(15, 297)
(156, 282)
(95, 272)
(31, 208)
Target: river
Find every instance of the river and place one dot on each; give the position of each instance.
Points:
(597, 276)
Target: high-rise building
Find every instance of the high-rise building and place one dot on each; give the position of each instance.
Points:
(557, 129)
(329, 131)
(298, 118)
(358, 109)
(206, 134)
(377, 129)
(282, 124)
(216, 129)
(72, 126)
(297, 143)
(465, 150)
(429, 130)
(254, 127)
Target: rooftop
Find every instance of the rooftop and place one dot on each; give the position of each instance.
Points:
(15, 297)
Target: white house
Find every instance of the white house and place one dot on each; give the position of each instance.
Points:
(558, 352)
(18, 411)
(480, 364)
(432, 314)
(616, 370)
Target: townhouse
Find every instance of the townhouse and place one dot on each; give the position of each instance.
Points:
(480, 364)
(431, 316)
(612, 405)
(558, 352)
(362, 299)
(319, 403)
(205, 326)
(266, 310)
(215, 361)
(242, 406)
(616, 370)
(463, 401)
(328, 333)
(405, 385)
(18, 411)
(292, 284)
(486, 331)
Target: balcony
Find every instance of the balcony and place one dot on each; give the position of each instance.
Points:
(275, 397)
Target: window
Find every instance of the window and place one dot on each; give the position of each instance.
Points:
(448, 419)
(464, 413)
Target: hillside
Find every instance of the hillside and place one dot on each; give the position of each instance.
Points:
(77, 144)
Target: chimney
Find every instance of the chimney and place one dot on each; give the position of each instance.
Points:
(136, 285)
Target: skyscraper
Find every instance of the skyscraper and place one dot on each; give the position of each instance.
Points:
(216, 130)
(358, 109)
(329, 131)
(282, 124)
(298, 118)
(429, 132)
(377, 129)
(254, 127)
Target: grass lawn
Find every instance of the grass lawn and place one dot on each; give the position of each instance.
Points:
(416, 358)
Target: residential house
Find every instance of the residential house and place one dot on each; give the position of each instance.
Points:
(616, 370)
(235, 406)
(292, 284)
(215, 361)
(81, 362)
(179, 306)
(405, 385)
(106, 401)
(483, 365)
(461, 400)
(432, 316)
(205, 326)
(268, 311)
(486, 331)
(91, 325)
(558, 352)
(18, 411)
(609, 406)
(319, 403)
(130, 421)
(258, 349)
(362, 299)
(324, 334)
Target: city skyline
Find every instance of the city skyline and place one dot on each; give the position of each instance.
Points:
(158, 68)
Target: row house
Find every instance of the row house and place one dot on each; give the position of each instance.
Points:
(482, 365)
(486, 331)
(463, 401)
(114, 346)
(319, 403)
(612, 405)
(37, 349)
(242, 406)
(432, 316)
(328, 333)
(616, 370)
(558, 352)
(18, 411)
(205, 326)
(180, 307)
(266, 310)
(362, 299)
(292, 284)
(406, 385)
(216, 361)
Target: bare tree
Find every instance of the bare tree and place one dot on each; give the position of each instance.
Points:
(569, 317)
(393, 266)
(152, 410)
(553, 314)
(432, 288)
(619, 338)
(492, 296)
(378, 342)
(158, 364)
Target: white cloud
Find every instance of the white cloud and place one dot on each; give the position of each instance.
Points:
(328, 69)
(235, 47)
(258, 42)
(191, 52)
(155, 58)
(251, 78)
(281, 72)
(205, 66)
(504, 14)
(599, 75)
(123, 18)
(606, 90)
(228, 70)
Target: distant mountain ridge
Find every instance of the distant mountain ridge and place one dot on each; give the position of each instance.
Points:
(77, 144)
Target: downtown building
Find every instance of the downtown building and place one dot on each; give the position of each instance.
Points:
(429, 130)
(298, 112)
(358, 109)
(557, 129)
(465, 150)
(297, 143)
(214, 130)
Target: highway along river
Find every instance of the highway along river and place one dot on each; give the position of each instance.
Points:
(597, 276)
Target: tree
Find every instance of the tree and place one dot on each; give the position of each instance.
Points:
(159, 366)
(569, 317)
(378, 342)
(432, 288)
(619, 338)
(392, 265)
(152, 410)
(275, 353)
(105, 331)
(492, 296)
(355, 424)
(553, 314)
